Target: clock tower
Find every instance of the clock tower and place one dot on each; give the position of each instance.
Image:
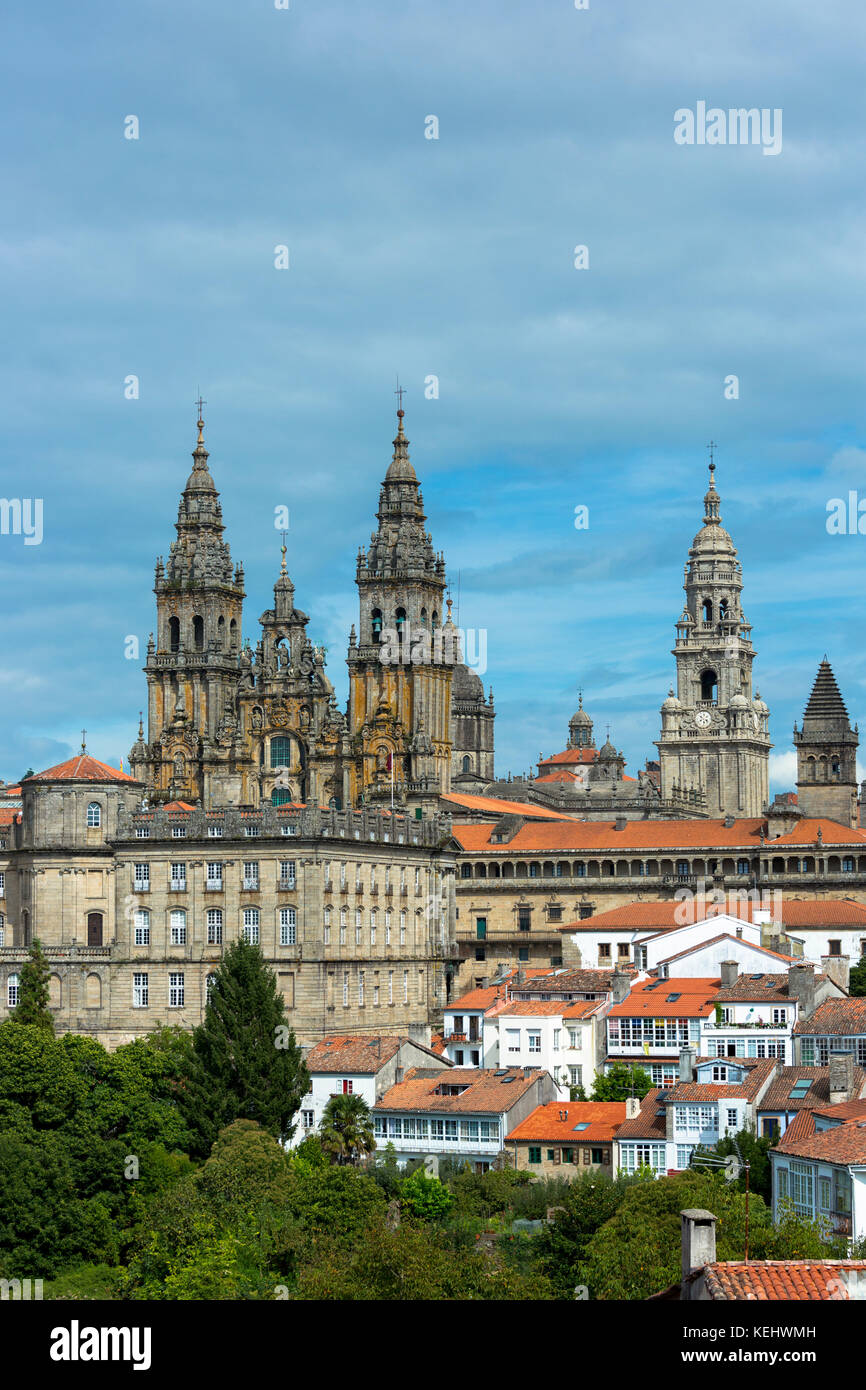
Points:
(714, 733)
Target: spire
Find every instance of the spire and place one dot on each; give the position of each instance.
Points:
(401, 469)
(825, 702)
(711, 497)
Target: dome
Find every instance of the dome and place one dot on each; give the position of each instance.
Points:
(758, 705)
(466, 686)
(671, 703)
(739, 702)
(607, 752)
(581, 717)
(713, 537)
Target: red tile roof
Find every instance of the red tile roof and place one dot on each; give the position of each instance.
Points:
(778, 1094)
(489, 995)
(570, 756)
(565, 833)
(547, 1008)
(493, 805)
(647, 1123)
(842, 1017)
(556, 1122)
(843, 1143)
(350, 1053)
(562, 774)
(786, 1280)
(695, 999)
(586, 981)
(757, 1071)
(488, 1091)
(83, 768)
(667, 914)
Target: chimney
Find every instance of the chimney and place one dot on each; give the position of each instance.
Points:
(632, 1107)
(729, 822)
(687, 1065)
(620, 985)
(620, 823)
(841, 1077)
(698, 1244)
(729, 971)
(801, 986)
(520, 977)
(838, 969)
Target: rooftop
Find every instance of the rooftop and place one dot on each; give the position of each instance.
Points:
(485, 1091)
(83, 768)
(785, 1280)
(835, 1016)
(674, 998)
(564, 833)
(571, 1122)
(778, 1095)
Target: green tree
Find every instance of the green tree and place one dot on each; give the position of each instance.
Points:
(621, 1082)
(425, 1197)
(755, 1152)
(245, 1063)
(32, 1004)
(857, 980)
(592, 1199)
(346, 1130)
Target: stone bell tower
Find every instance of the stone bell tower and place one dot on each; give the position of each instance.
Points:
(402, 659)
(192, 665)
(714, 734)
(827, 754)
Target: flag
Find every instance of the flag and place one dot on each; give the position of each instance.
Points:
(646, 1049)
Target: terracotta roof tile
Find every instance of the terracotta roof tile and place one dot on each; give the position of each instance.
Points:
(695, 998)
(564, 833)
(556, 1122)
(83, 768)
(842, 1017)
(778, 1094)
(843, 1143)
(757, 1069)
(489, 995)
(786, 1280)
(667, 915)
(570, 756)
(586, 981)
(350, 1053)
(488, 1091)
(648, 1123)
(495, 805)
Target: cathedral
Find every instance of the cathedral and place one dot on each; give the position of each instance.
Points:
(233, 725)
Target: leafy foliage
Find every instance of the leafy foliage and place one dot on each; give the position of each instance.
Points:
(857, 980)
(32, 1004)
(425, 1197)
(621, 1082)
(346, 1130)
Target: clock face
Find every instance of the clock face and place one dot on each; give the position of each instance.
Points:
(703, 718)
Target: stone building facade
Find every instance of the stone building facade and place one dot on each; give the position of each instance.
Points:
(827, 754)
(714, 733)
(134, 907)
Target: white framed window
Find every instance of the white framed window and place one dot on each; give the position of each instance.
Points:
(308, 1117)
(387, 929)
(175, 989)
(512, 1040)
(361, 988)
(12, 992)
(557, 1034)
(251, 831)
(215, 875)
(358, 919)
(402, 928)
(417, 882)
(731, 1118)
(289, 828)
(251, 926)
(684, 1155)
(287, 873)
(326, 871)
(534, 1039)
(636, 1156)
(141, 882)
(405, 986)
(575, 1076)
(346, 989)
(342, 926)
(288, 926)
(141, 926)
(326, 925)
(94, 814)
(214, 832)
(214, 926)
(373, 927)
(824, 1194)
(178, 832)
(376, 993)
(140, 994)
(342, 873)
(372, 878)
(802, 1188)
(177, 927)
(251, 873)
(390, 986)
(142, 832)
(780, 1016)
(178, 878)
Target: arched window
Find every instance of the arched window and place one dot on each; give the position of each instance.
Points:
(233, 635)
(376, 622)
(93, 992)
(177, 925)
(708, 610)
(55, 992)
(434, 621)
(141, 926)
(174, 634)
(2, 929)
(198, 633)
(280, 796)
(94, 814)
(12, 992)
(399, 619)
(423, 617)
(281, 752)
(709, 685)
(467, 764)
(723, 609)
(221, 633)
(94, 928)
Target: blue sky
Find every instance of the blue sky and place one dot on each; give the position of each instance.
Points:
(449, 257)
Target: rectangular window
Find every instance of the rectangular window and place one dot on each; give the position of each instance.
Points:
(451, 1131)
(139, 990)
(684, 1154)
(373, 927)
(604, 950)
(357, 926)
(326, 925)
(214, 875)
(142, 878)
(481, 928)
(287, 873)
(584, 910)
(346, 989)
(575, 1075)
(512, 1039)
(290, 829)
(178, 832)
(342, 875)
(390, 986)
(288, 926)
(251, 926)
(175, 990)
(177, 921)
(781, 1182)
(214, 832)
(534, 1036)
(534, 1154)
(142, 832)
(402, 928)
(557, 1034)
(361, 988)
(824, 1194)
(437, 1129)
(523, 954)
(214, 926)
(405, 986)
(835, 948)
(251, 831)
(524, 918)
(780, 1016)
(142, 927)
(251, 874)
(732, 1119)
(387, 929)
(801, 1188)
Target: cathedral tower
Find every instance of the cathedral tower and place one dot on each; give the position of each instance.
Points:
(402, 659)
(827, 754)
(192, 667)
(714, 734)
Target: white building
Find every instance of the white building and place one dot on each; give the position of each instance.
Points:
(566, 1039)
(357, 1065)
(464, 1114)
(819, 1166)
(755, 1014)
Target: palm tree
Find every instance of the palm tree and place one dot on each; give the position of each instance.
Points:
(346, 1130)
